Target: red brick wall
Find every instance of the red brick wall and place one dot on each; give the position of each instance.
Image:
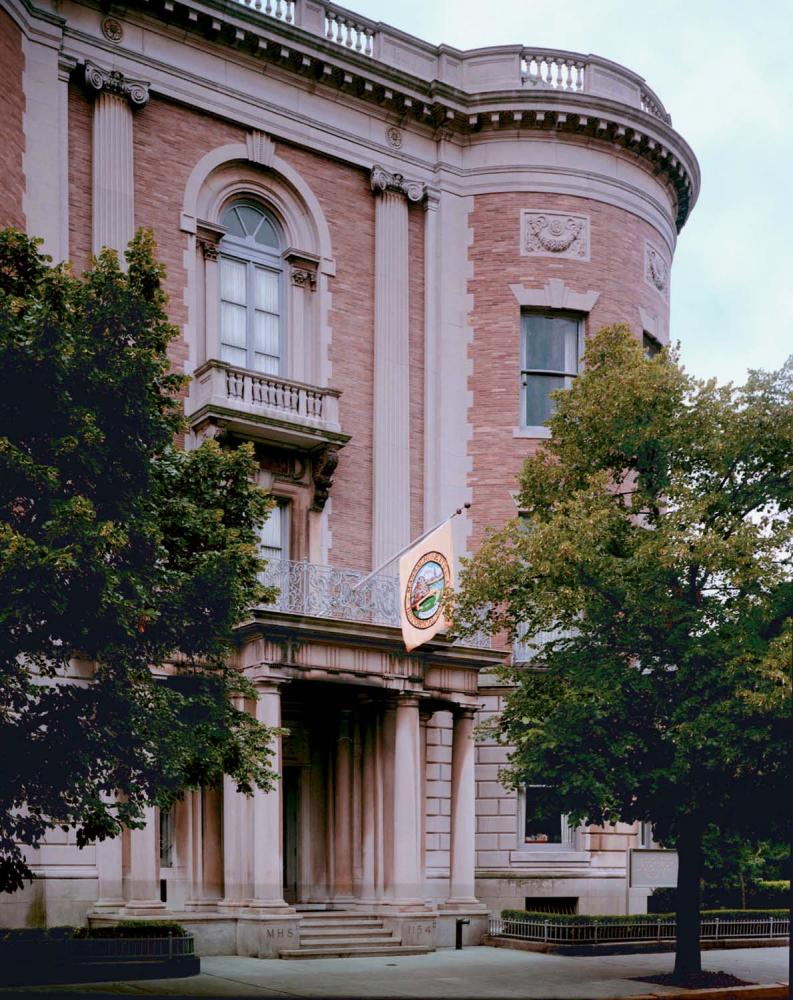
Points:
(616, 270)
(347, 202)
(169, 141)
(12, 109)
(80, 156)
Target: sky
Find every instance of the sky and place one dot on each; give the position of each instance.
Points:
(724, 71)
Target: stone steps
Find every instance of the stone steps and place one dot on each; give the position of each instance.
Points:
(340, 934)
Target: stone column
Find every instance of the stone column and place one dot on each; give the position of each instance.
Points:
(462, 859)
(391, 437)
(369, 823)
(342, 812)
(109, 867)
(268, 839)
(406, 824)
(143, 881)
(113, 193)
(197, 899)
(235, 841)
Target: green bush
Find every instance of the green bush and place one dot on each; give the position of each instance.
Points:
(583, 920)
(24, 935)
(759, 895)
(134, 929)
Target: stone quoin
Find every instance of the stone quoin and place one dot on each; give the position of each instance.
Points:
(366, 239)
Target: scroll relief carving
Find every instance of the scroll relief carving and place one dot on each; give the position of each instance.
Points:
(550, 234)
(656, 269)
(304, 277)
(384, 180)
(324, 467)
(111, 81)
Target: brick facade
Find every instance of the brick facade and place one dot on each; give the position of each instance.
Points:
(12, 110)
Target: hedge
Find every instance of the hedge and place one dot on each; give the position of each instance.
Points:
(759, 895)
(583, 920)
(124, 929)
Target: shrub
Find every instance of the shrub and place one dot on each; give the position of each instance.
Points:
(134, 929)
(29, 935)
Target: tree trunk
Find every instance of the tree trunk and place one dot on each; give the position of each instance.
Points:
(689, 850)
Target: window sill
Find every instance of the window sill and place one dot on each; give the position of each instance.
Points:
(531, 432)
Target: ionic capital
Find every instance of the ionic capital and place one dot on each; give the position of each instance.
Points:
(383, 180)
(98, 79)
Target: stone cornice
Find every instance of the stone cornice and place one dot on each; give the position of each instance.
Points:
(447, 112)
(98, 79)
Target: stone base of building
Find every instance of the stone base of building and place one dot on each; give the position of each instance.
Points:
(590, 893)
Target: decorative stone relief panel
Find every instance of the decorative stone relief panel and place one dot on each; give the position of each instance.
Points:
(656, 269)
(551, 234)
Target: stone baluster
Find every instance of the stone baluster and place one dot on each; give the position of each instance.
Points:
(113, 188)
(463, 808)
(392, 447)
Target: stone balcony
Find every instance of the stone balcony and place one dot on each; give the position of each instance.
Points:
(314, 591)
(264, 407)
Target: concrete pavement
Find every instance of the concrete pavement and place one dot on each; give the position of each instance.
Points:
(474, 972)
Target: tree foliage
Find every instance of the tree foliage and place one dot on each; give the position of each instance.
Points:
(125, 561)
(656, 536)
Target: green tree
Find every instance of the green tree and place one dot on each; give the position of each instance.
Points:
(118, 550)
(656, 534)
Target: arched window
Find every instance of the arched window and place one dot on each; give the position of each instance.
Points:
(251, 294)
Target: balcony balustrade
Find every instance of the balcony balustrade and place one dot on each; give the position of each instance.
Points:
(326, 592)
(476, 70)
(265, 406)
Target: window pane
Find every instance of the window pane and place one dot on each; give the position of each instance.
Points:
(267, 235)
(266, 285)
(551, 343)
(251, 217)
(538, 406)
(234, 356)
(232, 324)
(267, 364)
(231, 220)
(266, 336)
(541, 828)
(274, 534)
(232, 280)
(271, 529)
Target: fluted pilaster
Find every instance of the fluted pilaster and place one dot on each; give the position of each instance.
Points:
(463, 808)
(391, 486)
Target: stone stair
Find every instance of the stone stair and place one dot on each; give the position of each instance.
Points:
(347, 934)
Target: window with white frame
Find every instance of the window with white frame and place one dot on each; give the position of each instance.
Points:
(645, 834)
(166, 838)
(274, 534)
(540, 825)
(251, 289)
(551, 348)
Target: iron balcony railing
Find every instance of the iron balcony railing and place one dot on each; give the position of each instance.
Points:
(653, 929)
(327, 592)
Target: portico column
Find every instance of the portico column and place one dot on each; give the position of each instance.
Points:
(343, 839)
(235, 842)
(406, 823)
(463, 808)
(368, 806)
(113, 190)
(143, 883)
(268, 841)
(110, 874)
(391, 431)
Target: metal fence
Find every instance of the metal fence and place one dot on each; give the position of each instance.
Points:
(87, 949)
(659, 929)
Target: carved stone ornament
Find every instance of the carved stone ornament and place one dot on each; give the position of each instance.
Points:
(112, 29)
(656, 269)
(393, 136)
(324, 467)
(98, 79)
(384, 180)
(208, 247)
(550, 234)
(304, 277)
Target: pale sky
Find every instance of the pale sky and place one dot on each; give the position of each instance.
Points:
(724, 70)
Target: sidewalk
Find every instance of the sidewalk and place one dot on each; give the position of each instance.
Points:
(474, 972)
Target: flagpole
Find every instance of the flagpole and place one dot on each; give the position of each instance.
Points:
(415, 541)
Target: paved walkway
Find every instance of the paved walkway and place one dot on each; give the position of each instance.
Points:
(474, 972)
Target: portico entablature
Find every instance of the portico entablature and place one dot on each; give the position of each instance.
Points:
(291, 647)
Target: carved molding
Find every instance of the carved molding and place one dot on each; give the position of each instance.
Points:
(112, 29)
(322, 473)
(304, 277)
(656, 269)
(554, 234)
(394, 137)
(208, 247)
(383, 180)
(555, 294)
(261, 148)
(98, 79)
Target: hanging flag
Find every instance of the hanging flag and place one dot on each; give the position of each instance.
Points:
(425, 575)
